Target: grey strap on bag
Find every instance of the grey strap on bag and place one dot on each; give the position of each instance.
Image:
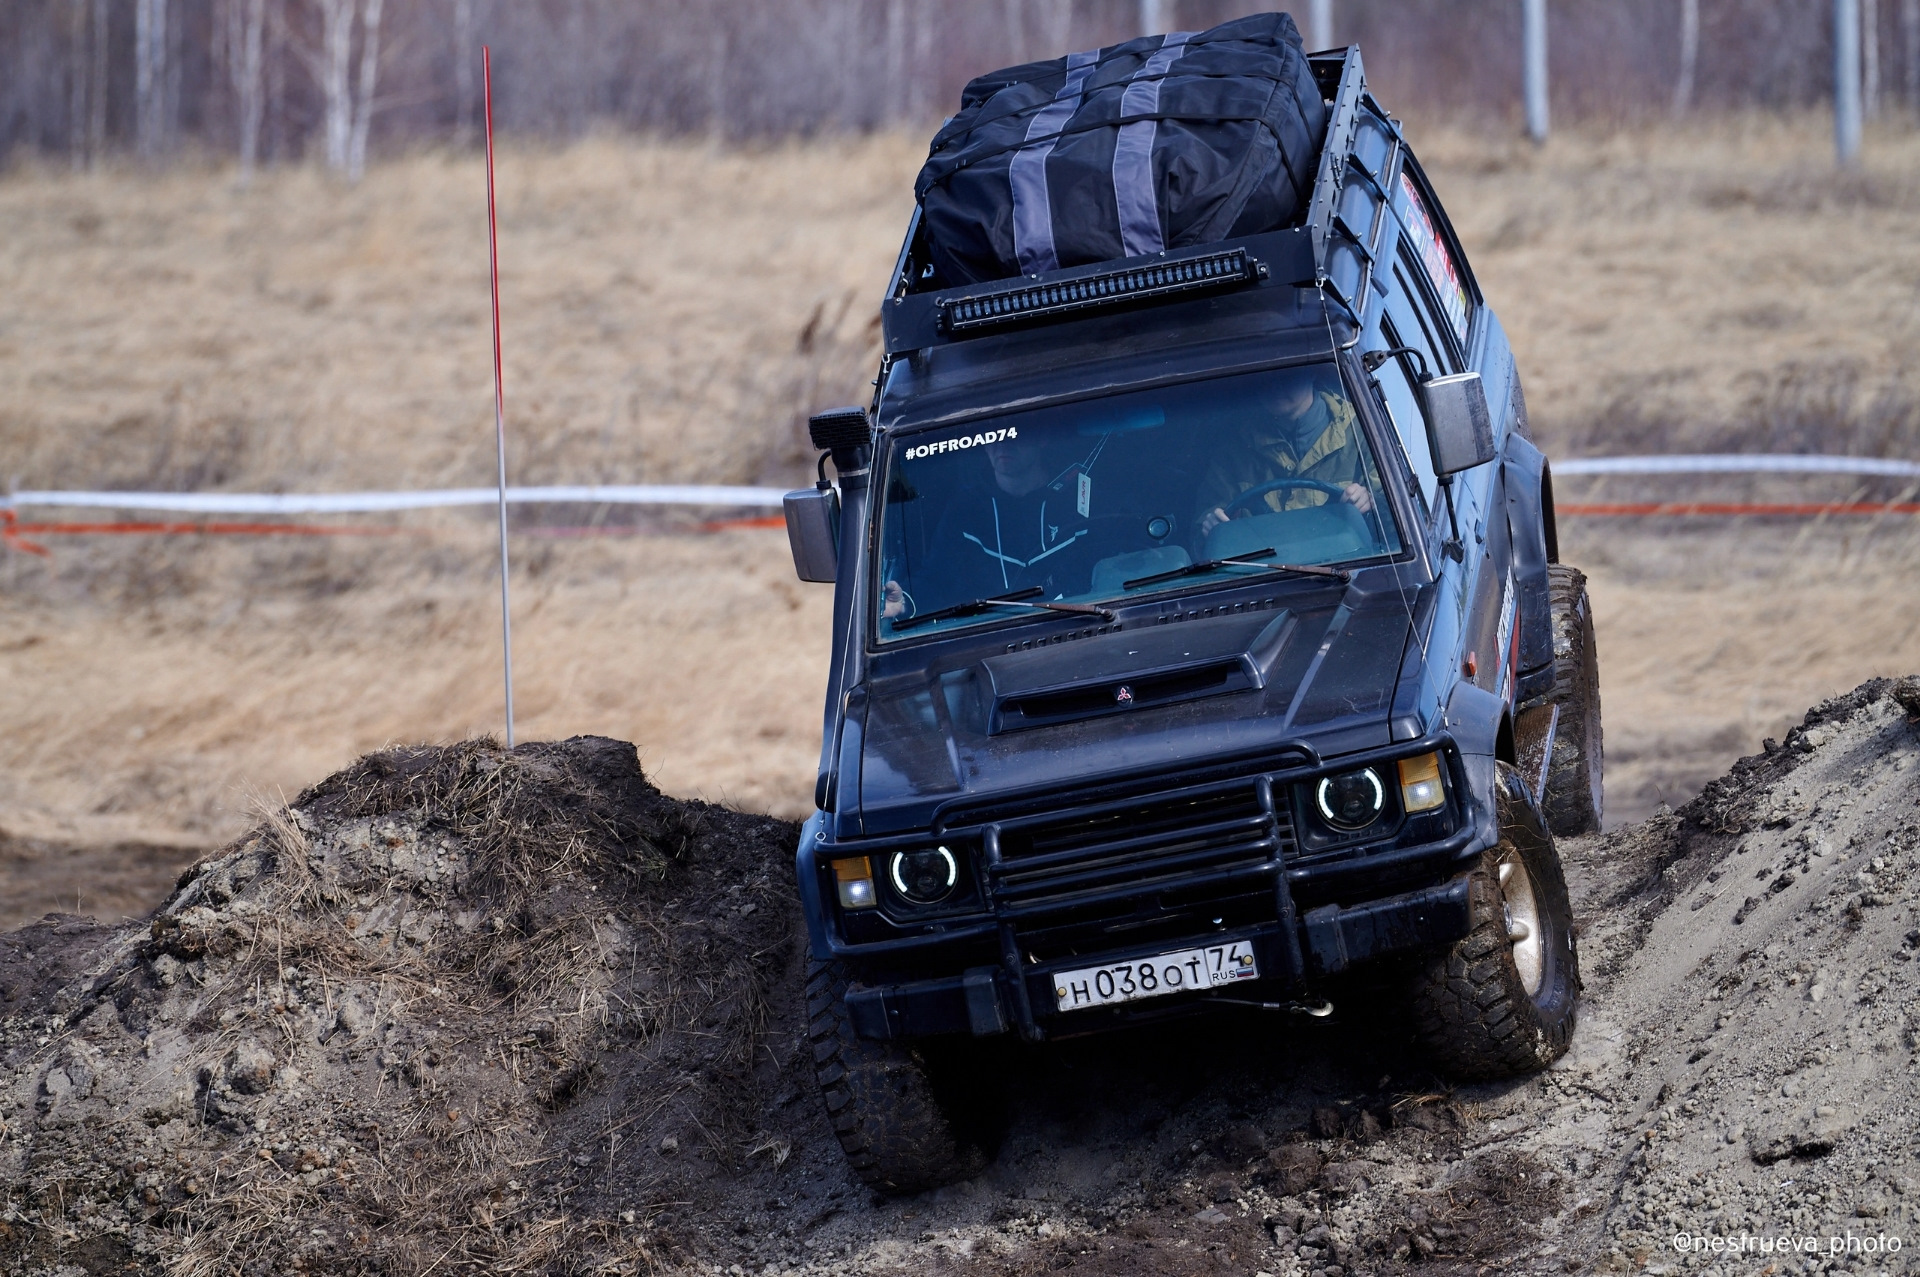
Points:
(1032, 209)
(1133, 187)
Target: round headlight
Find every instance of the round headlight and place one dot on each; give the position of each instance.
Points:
(924, 877)
(1351, 801)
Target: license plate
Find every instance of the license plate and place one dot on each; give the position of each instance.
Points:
(1178, 972)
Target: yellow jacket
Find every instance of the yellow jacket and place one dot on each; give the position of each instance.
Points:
(1268, 454)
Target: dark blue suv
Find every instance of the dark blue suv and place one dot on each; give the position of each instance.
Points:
(1198, 635)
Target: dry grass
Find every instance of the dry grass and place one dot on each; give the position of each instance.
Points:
(673, 311)
(1703, 276)
(668, 313)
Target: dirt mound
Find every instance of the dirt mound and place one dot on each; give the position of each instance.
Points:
(465, 1009)
(459, 1007)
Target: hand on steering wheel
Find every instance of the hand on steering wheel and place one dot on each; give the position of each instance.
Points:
(1354, 494)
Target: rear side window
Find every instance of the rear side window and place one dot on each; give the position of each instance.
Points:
(1444, 277)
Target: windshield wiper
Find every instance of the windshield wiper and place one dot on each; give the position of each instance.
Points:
(1017, 598)
(1251, 559)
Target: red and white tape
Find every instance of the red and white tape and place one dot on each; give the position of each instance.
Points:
(723, 496)
(1739, 463)
(371, 502)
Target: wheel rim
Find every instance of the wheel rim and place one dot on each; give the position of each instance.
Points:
(1523, 923)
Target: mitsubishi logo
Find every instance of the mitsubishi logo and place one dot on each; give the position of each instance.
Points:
(1123, 694)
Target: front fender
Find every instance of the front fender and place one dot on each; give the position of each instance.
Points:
(805, 869)
(1475, 719)
(1525, 471)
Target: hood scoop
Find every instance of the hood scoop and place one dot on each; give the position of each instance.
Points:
(1133, 670)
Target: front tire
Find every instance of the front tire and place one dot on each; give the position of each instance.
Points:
(1500, 1002)
(899, 1133)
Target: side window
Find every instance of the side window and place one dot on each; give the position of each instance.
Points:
(1447, 284)
(1410, 326)
(1395, 380)
(1432, 324)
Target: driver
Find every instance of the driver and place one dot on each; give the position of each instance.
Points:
(1308, 432)
(1024, 530)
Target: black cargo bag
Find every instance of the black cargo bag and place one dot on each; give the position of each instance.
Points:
(1161, 142)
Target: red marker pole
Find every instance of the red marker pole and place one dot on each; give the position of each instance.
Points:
(499, 395)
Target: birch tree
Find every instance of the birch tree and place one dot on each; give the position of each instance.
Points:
(349, 99)
(896, 70)
(246, 63)
(1689, 56)
(1016, 20)
(97, 105)
(1870, 58)
(149, 75)
(331, 67)
(1910, 39)
(79, 65)
(363, 98)
(1056, 27)
(922, 76)
(463, 95)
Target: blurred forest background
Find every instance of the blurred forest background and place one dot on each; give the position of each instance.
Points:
(277, 81)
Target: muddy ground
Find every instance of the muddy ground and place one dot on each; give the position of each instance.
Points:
(467, 1009)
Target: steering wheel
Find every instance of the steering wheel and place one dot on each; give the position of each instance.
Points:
(1246, 499)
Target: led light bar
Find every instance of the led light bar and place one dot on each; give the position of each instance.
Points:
(1107, 288)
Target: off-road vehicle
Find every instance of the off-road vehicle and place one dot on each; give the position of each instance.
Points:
(1130, 715)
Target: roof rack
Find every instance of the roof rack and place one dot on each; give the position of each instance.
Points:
(1345, 218)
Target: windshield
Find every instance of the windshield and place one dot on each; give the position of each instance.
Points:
(1082, 503)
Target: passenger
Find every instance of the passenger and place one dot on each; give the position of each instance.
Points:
(1309, 432)
(1025, 530)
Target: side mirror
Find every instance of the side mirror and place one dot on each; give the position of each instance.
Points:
(1459, 425)
(813, 527)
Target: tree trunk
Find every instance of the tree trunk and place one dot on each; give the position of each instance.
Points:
(1870, 58)
(276, 109)
(97, 106)
(149, 73)
(1056, 28)
(717, 84)
(78, 67)
(1016, 20)
(927, 12)
(248, 56)
(1689, 56)
(369, 75)
(896, 72)
(463, 74)
(1910, 31)
(331, 68)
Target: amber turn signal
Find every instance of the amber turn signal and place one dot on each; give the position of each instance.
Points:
(855, 879)
(1421, 788)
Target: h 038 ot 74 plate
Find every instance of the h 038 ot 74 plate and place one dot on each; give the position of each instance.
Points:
(1179, 972)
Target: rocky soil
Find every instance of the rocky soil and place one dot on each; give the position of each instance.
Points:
(467, 1009)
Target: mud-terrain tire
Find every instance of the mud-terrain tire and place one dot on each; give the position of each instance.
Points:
(1498, 1004)
(1574, 796)
(884, 1102)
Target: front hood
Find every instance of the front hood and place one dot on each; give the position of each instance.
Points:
(979, 719)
